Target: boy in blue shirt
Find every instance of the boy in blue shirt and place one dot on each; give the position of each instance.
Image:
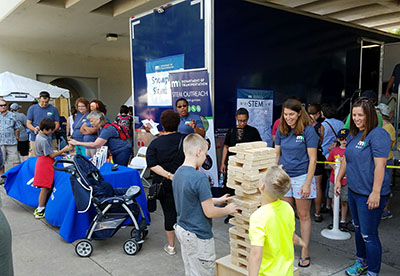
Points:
(195, 207)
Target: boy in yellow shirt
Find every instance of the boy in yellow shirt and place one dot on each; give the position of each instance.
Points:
(272, 228)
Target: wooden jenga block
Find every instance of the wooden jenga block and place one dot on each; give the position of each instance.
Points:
(246, 203)
(251, 145)
(241, 226)
(240, 253)
(236, 187)
(239, 244)
(240, 262)
(234, 234)
(255, 195)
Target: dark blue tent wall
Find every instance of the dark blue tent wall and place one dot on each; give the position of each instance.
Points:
(255, 47)
(266, 48)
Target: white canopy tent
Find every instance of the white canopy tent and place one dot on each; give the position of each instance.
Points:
(14, 87)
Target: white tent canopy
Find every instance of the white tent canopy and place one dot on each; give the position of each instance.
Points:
(18, 88)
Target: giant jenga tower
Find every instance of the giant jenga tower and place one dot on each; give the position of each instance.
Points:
(244, 171)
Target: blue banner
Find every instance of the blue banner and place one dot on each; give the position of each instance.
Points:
(259, 103)
(194, 87)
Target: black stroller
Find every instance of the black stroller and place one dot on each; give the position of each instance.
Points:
(113, 206)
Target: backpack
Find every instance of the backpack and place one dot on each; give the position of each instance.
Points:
(122, 130)
(124, 121)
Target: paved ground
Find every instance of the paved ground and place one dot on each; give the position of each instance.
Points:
(39, 250)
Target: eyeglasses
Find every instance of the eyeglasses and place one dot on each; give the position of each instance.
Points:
(3, 105)
(342, 138)
(181, 106)
(242, 121)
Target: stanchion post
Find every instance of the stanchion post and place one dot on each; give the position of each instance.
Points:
(335, 233)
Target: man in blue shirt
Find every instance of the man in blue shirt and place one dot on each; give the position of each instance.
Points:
(35, 114)
(190, 123)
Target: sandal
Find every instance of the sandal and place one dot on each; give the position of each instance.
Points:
(303, 260)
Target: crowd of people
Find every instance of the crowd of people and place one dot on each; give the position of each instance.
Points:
(301, 138)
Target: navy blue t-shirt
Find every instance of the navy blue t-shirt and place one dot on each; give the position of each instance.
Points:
(114, 142)
(360, 164)
(37, 113)
(79, 120)
(294, 156)
(184, 126)
(192, 187)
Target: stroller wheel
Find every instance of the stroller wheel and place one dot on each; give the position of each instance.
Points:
(131, 247)
(84, 248)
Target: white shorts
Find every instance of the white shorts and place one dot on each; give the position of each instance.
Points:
(297, 184)
(198, 255)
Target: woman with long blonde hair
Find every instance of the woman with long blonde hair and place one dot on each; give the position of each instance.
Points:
(296, 144)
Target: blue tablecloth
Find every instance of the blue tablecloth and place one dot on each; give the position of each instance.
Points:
(61, 209)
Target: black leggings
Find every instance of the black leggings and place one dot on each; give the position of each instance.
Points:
(168, 206)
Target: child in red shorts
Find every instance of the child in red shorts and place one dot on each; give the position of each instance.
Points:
(44, 172)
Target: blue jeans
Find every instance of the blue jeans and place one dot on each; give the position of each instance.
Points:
(366, 223)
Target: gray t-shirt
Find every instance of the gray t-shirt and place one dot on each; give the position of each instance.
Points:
(23, 135)
(192, 187)
(43, 144)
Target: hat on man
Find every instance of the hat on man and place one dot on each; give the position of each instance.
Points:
(44, 94)
(384, 109)
(15, 106)
(343, 132)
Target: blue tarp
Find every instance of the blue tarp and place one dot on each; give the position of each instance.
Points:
(61, 209)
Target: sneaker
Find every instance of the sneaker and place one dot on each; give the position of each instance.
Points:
(356, 269)
(350, 226)
(169, 250)
(38, 214)
(343, 227)
(226, 220)
(318, 218)
(386, 214)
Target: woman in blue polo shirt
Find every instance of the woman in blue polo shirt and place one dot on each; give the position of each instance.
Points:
(109, 136)
(364, 164)
(82, 106)
(296, 143)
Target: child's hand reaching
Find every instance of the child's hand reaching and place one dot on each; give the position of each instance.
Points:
(224, 199)
(68, 148)
(231, 208)
(298, 241)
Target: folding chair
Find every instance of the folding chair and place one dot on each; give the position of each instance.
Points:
(139, 163)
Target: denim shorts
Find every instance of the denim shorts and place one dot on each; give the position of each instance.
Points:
(297, 184)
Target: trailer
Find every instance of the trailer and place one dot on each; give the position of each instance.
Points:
(248, 45)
